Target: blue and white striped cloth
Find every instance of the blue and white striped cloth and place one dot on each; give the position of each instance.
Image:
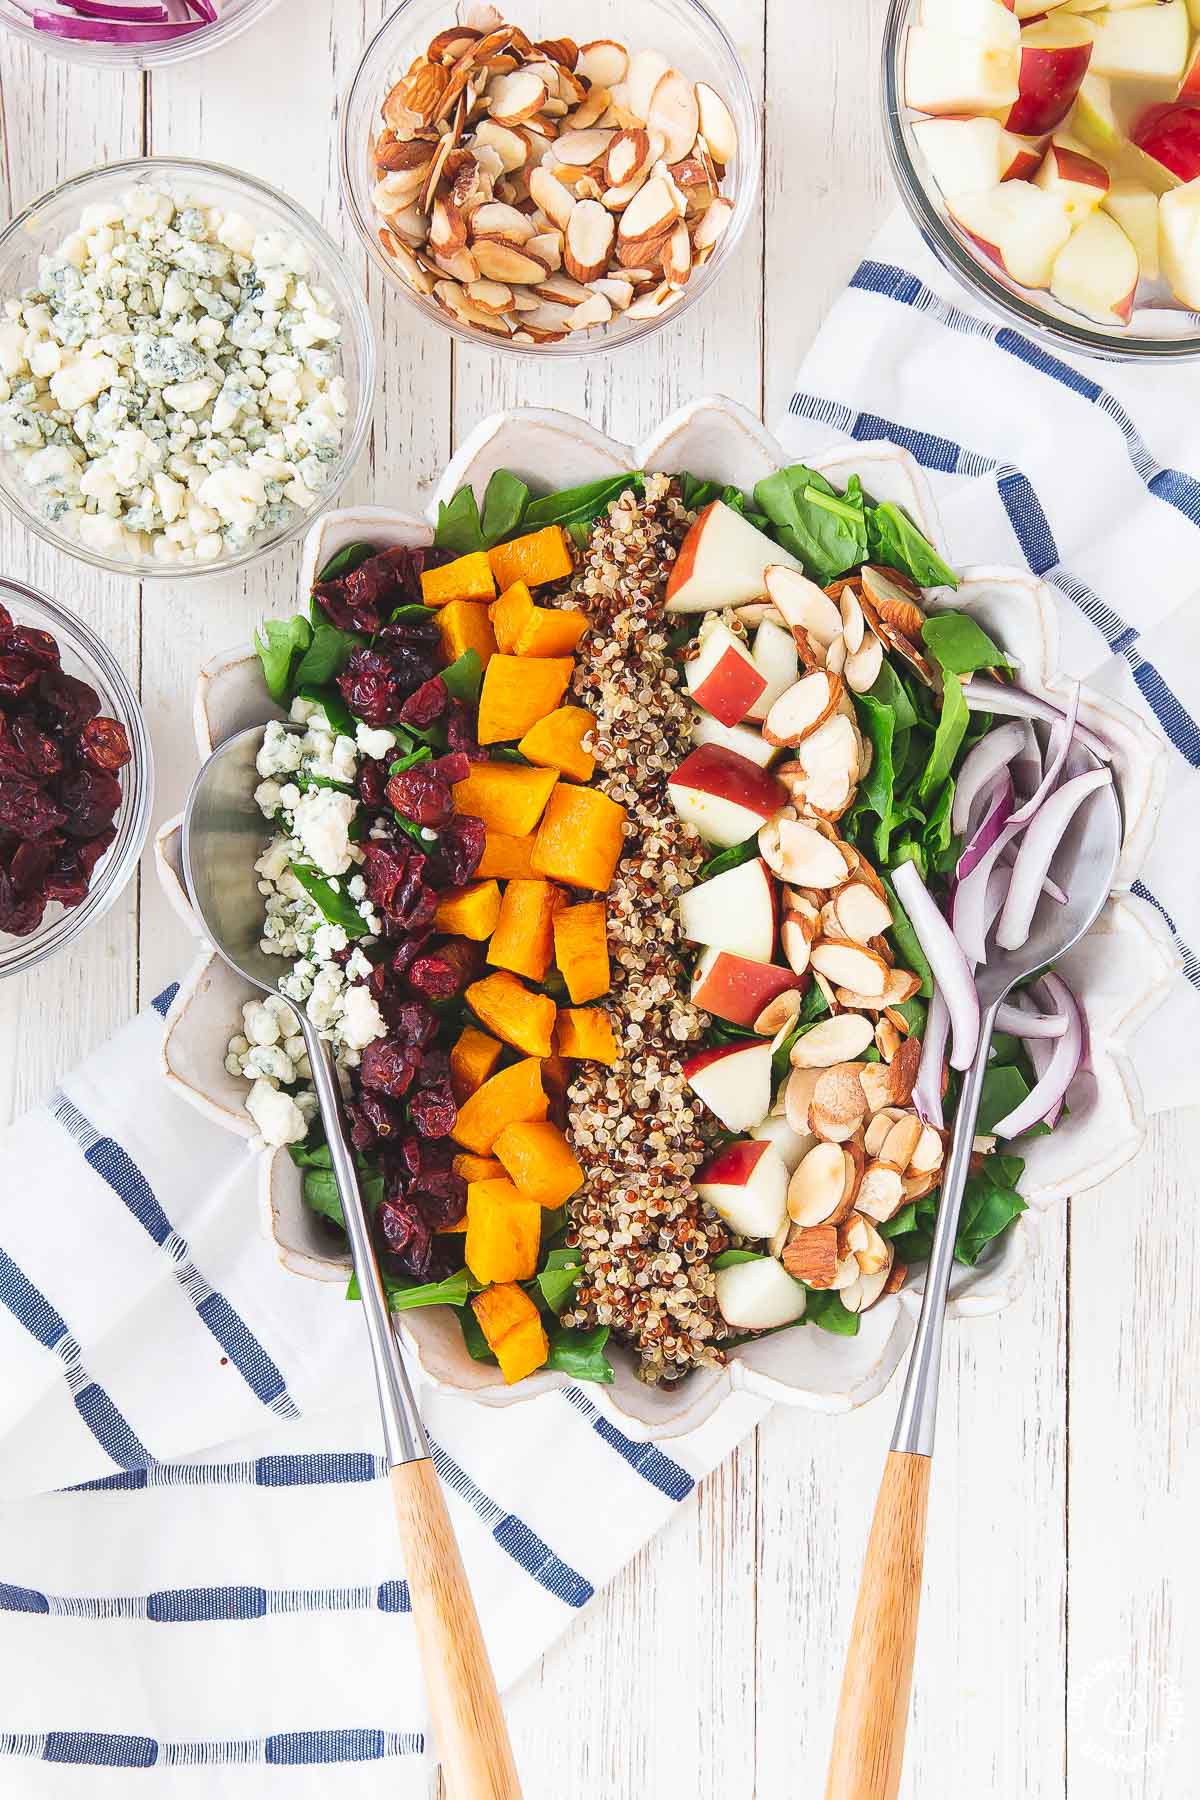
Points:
(1079, 471)
(199, 1562)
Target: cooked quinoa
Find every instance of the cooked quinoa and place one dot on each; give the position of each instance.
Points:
(646, 1239)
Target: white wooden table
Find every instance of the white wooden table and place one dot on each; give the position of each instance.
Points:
(1058, 1648)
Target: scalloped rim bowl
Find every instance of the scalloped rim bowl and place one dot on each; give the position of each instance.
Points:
(1121, 970)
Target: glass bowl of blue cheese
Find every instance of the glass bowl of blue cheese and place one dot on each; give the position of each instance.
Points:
(187, 367)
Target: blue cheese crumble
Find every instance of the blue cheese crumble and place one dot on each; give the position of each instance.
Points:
(304, 790)
(168, 390)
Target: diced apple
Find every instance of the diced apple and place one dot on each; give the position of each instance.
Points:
(734, 1081)
(1033, 9)
(1171, 135)
(965, 156)
(746, 1185)
(946, 73)
(1073, 177)
(1018, 226)
(1096, 271)
(792, 1146)
(723, 796)
(736, 989)
(1149, 43)
(1135, 209)
(1055, 54)
(743, 738)
(1189, 86)
(722, 677)
(734, 911)
(1093, 122)
(986, 21)
(721, 562)
(1179, 242)
(778, 661)
(759, 1295)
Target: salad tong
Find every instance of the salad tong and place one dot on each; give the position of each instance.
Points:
(868, 1744)
(222, 839)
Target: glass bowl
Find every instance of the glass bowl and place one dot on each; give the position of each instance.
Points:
(42, 227)
(683, 30)
(236, 16)
(85, 657)
(1158, 332)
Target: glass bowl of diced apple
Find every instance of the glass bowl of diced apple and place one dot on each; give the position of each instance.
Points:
(1049, 152)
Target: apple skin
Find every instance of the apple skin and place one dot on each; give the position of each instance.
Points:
(1189, 86)
(730, 688)
(736, 989)
(721, 562)
(1171, 135)
(1031, 228)
(746, 1185)
(746, 795)
(1079, 181)
(1050, 77)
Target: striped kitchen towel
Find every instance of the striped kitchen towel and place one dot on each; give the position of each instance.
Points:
(199, 1563)
(1087, 473)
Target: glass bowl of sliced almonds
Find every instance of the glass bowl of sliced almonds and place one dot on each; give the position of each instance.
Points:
(537, 188)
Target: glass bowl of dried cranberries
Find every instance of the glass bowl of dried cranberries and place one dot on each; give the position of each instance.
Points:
(76, 778)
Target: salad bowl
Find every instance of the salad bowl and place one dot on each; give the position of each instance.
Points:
(1120, 971)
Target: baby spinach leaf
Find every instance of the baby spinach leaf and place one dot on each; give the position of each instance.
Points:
(1004, 1087)
(557, 1281)
(403, 1294)
(937, 835)
(459, 528)
(412, 609)
(345, 561)
(908, 943)
(507, 753)
(573, 505)
(326, 656)
(960, 645)
(729, 1259)
(913, 1013)
(889, 690)
(850, 542)
(987, 1210)
(279, 643)
(893, 538)
(321, 1193)
(504, 503)
(728, 859)
(463, 677)
(825, 1308)
(826, 543)
(424, 754)
(947, 739)
(335, 906)
(876, 792)
(478, 1347)
(316, 1157)
(580, 1353)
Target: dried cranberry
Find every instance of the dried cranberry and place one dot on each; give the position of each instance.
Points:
(414, 1024)
(374, 1120)
(421, 794)
(92, 849)
(38, 749)
(5, 620)
(39, 646)
(383, 870)
(456, 855)
(426, 704)
(405, 1234)
(434, 977)
(19, 914)
(433, 1112)
(68, 880)
(361, 600)
(29, 864)
(17, 675)
(455, 767)
(372, 780)
(387, 1068)
(89, 798)
(73, 701)
(460, 732)
(26, 810)
(409, 948)
(465, 956)
(369, 687)
(105, 744)
(410, 634)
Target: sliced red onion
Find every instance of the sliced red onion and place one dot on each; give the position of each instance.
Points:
(203, 9)
(129, 15)
(981, 765)
(979, 896)
(998, 808)
(927, 1089)
(1020, 1023)
(1061, 739)
(1049, 1092)
(950, 968)
(1053, 892)
(1036, 853)
(107, 31)
(1026, 766)
(1008, 701)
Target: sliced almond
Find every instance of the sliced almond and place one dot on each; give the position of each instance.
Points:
(896, 1277)
(563, 289)
(716, 123)
(416, 276)
(501, 260)
(548, 247)
(650, 213)
(603, 62)
(556, 201)
(618, 198)
(875, 1254)
(816, 1186)
(861, 912)
(928, 1153)
(883, 595)
(619, 293)
(677, 257)
(835, 656)
(837, 1040)
(589, 237)
(452, 297)
(498, 220)
(628, 156)
(901, 1142)
(779, 1013)
(549, 316)
(862, 669)
(901, 985)
(646, 69)
(796, 941)
(510, 146)
(675, 112)
(876, 1081)
(851, 965)
(450, 44)
(863, 1293)
(881, 1192)
(876, 1133)
(803, 604)
(854, 625)
(811, 1255)
(460, 267)
(797, 1097)
(804, 706)
(887, 1039)
(643, 252)
(580, 149)
(833, 748)
(654, 304)
(492, 296)
(447, 229)
(512, 99)
(713, 224)
(591, 109)
(903, 1071)
(596, 311)
(838, 1106)
(796, 851)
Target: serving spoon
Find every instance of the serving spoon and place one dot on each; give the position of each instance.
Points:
(223, 837)
(868, 1742)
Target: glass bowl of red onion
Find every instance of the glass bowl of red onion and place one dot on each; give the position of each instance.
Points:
(136, 34)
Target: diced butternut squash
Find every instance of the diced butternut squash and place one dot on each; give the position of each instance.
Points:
(557, 1076)
(512, 1095)
(580, 838)
(472, 1060)
(517, 692)
(509, 616)
(467, 578)
(505, 796)
(556, 742)
(506, 858)
(551, 631)
(585, 1032)
(469, 912)
(504, 1231)
(581, 950)
(464, 625)
(535, 559)
(523, 940)
(514, 1012)
(477, 1168)
(513, 1328)
(540, 1161)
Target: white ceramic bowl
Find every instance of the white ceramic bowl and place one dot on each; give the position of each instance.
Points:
(1120, 971)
